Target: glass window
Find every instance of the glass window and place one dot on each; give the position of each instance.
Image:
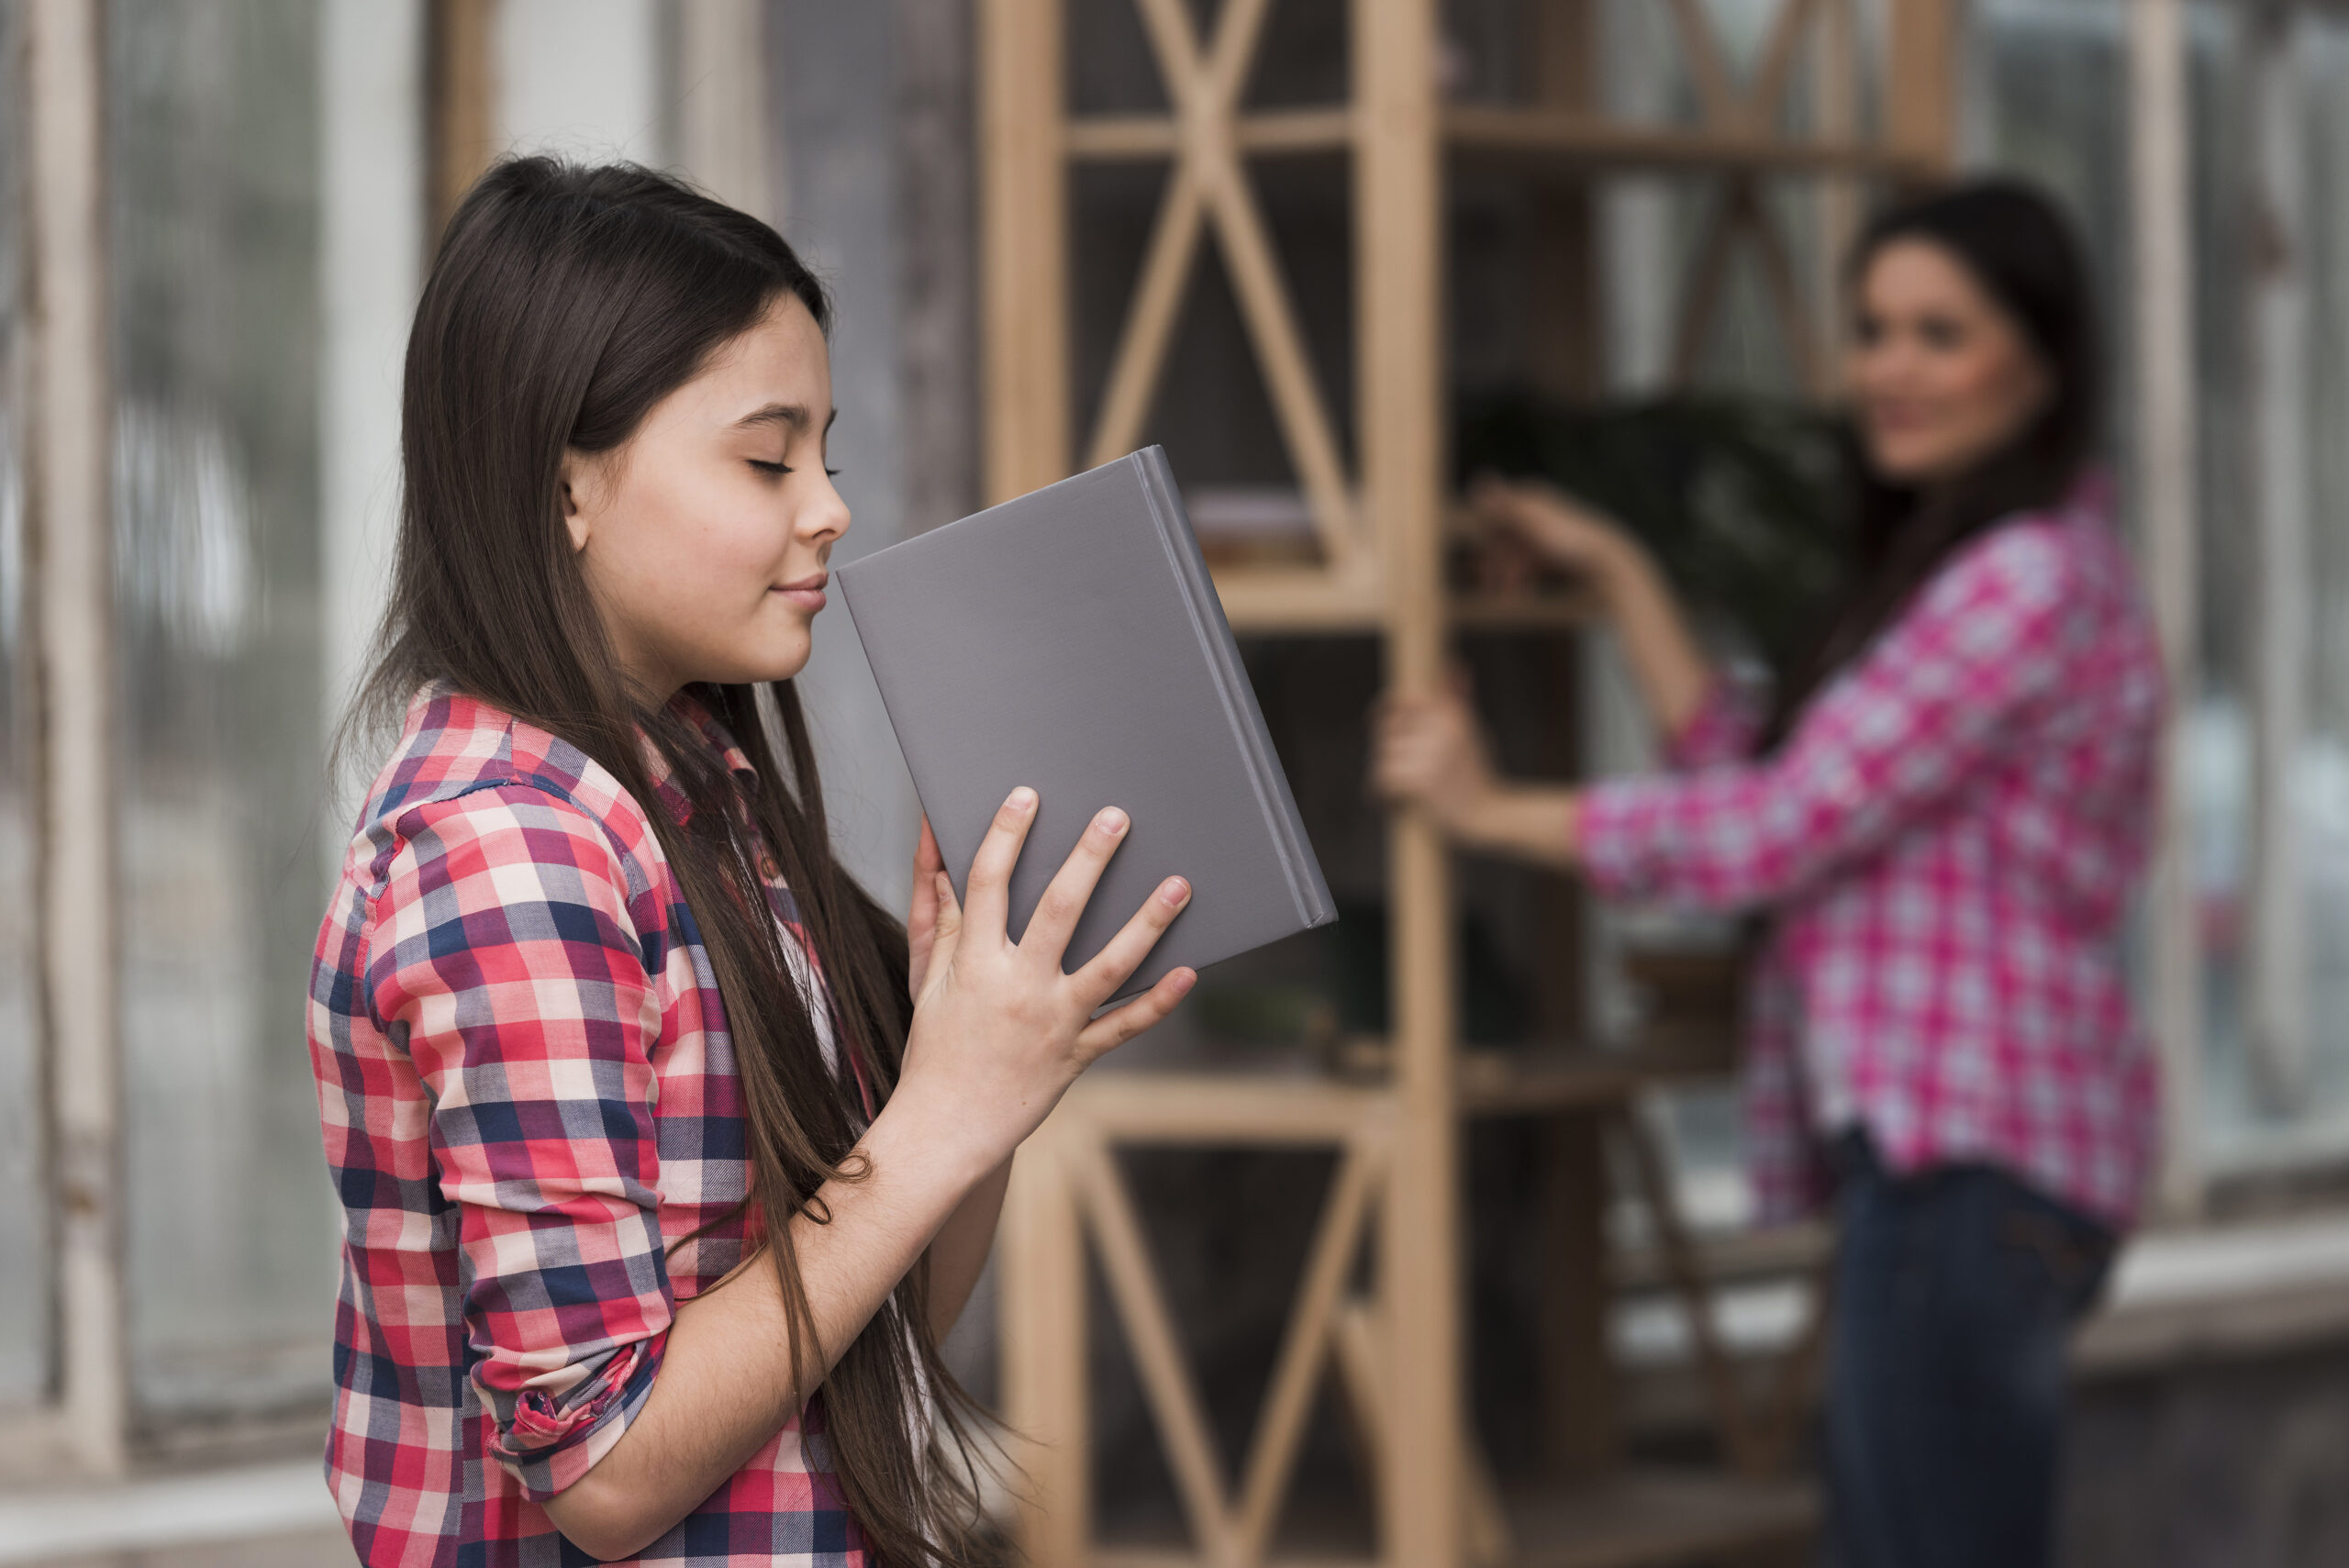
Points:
(25, 1273)
(212, 179)
(2272, 215)
(2321, 787)
(2270, 193)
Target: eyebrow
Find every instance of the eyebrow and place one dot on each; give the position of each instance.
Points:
(793, 416)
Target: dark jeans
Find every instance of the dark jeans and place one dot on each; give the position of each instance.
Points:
(1954, 1292)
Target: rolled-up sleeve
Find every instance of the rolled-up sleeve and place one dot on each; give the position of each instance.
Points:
(1901, 734)
(1722, 730)
(504, 955)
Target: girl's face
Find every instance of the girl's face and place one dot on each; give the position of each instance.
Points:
(1943, 376)
(703, 538)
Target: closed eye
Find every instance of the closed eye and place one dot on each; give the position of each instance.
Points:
(777, 469)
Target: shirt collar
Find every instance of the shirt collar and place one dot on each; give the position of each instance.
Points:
(693, 712)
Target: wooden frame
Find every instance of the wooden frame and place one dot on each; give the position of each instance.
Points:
(1381, 534)
(87, 1428)
(1069, 1202)
(461, 94)
(2164, 329)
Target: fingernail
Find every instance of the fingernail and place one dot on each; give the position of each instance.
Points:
(1175, 891)
(1183, 980)
(1111, 821)
(1021, 799)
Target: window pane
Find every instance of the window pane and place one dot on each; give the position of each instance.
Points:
(24, 1275)
(2271, 208)
(212, 179)
(2280, 469)
(2321, 781)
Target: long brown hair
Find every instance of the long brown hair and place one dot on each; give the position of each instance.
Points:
(566, 302)
(2018, 247)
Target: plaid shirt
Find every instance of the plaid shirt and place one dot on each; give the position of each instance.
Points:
(1948, 841)
(528, 1098)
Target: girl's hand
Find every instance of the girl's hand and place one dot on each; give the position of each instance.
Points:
(1561, 531)
(1428, 751)
(1000, 1033)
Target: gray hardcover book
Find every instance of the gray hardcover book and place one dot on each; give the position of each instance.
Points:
(1071, 641)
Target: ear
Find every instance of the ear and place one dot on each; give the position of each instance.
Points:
(580, 493)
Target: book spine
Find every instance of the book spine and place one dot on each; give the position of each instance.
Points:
(1287, 828)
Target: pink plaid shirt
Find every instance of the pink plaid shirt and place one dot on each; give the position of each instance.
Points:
(1947, 842)
(529, 1100)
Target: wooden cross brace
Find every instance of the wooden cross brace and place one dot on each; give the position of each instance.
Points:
(1741, 215)
(1230, 1532)
(1332, 1326)
(1209, 186)
(1725, 106)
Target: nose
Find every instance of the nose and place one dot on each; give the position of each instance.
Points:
(826, 518)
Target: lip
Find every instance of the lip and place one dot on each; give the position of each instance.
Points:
(807, 594)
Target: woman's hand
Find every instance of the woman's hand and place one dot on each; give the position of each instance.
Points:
(1559, 529)
(1428, 751)
(1666, 660)
(998, 1031)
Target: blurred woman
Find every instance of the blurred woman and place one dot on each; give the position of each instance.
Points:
(1944, 816)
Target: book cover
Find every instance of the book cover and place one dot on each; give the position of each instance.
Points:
(1071, 640)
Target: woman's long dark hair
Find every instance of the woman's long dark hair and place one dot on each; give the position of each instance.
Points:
(566, 302)
(2021, 252)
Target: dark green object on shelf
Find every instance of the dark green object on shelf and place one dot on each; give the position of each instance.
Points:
(1741, 499)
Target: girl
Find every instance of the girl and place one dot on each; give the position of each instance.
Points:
(667, 1157)
(1944, 817)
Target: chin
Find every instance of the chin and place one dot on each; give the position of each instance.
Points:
(778, 661)
(791, 658)
(1903, 466)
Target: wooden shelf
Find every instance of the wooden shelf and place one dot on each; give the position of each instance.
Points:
(1306, 599)
(1111, 138)
(1504, 1083)
(1223, 1107)
(1282, 1104)
(1270, 601)
(1633, 1518)
(1572, 136)
(1375, 559)
(1647, 1518)
(1509, 131)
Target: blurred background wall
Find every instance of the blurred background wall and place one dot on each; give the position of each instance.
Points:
(272, 175)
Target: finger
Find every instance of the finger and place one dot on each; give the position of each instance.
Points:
(1490, 493)
(921, 907)
(1406, 775)
(949, 908)
(1399, 710)
(945, 936)
(1071, 888)
(1419, 730)
(927, 856)
(1394, 711)
(990, 880)
(1098, 980)
(1400, 740)
(1111, 1030)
